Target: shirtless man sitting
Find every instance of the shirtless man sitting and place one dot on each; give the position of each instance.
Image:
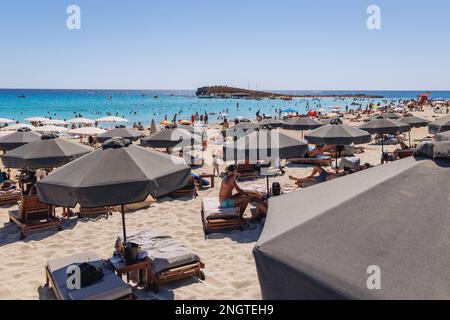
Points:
(241, 199)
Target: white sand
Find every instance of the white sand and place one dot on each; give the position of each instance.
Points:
(230, 268)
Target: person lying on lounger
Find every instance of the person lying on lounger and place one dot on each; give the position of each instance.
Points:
(319, 151)
(241, 199)
(323, 175)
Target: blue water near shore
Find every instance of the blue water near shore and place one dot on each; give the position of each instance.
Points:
(143, 106)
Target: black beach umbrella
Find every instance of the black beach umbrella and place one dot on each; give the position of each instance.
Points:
(443, 136)
(440, 125)
(265, 145)
(382, 126)
(339, 134)
(414, 122)
(17, 139)
(318, 243)
(170, 138)
(240, 129)
(274, 123)
(302, 124)
(119, 173)
(48, 152)
(120, 132)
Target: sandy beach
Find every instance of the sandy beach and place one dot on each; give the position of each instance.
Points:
(230, 268)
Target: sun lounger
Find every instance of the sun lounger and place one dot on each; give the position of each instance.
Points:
(215, 218)
(188, 191)
(89, 212)
(10, 197)
(34, 215)
(170, 261)
(314, 161)
(110, 287)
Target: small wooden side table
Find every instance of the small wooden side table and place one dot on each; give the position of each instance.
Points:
(206, 176)
(142, 266)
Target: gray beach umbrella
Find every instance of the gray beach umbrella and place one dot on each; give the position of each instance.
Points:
(390, 115)
(381, 125)
(153, 129)
(339, 134)
(440, 125)
(240, 128)
(302, 124)
(48, 152)
(265, 145)
(414, 122)
(324, 248)
(443, 136)
(170, 138)
(17, 139)
(119, 173)
(274, 123)
(125, 133)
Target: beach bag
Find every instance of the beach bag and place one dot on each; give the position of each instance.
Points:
(276, 189)
(90, 274)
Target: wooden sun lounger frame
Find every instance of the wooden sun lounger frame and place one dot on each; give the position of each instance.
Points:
(31, 206)
(212, 224)
(50, 282)
(10, 199)
(320, 162)
(193, 269)
(101, 211)
(188, 191)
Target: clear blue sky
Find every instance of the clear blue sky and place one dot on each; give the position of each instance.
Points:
(184, 44)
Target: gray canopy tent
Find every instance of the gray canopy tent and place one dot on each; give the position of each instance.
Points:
(240, 129)
(48, 152)
(120, 132)
(440, 125)
(318, 243)
(382, 126)
(414, 122)
(170, 138)
(264, 145)
(302, 124)
(274, 123)
(338, 134)
(17, 139)
(117, 174)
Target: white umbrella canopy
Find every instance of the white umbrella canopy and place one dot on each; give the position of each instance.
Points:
(112, 119)
(51, 129)
(3, 120)
(87, 131)
(37, 119)
(18, 126)
(54, 122)
(81, 121)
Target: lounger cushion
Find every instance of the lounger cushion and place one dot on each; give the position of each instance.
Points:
(164, 252)
(111, 287)
(211, 209)
(10, 193)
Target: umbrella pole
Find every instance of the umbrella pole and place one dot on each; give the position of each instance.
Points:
(410, 144)
(123, 224)
(382, 149)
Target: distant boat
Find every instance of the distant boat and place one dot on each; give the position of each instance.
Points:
(156, 97)
(21, 96)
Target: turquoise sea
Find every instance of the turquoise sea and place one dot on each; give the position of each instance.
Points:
(143, 106)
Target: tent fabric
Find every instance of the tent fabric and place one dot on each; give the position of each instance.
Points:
(302, 123)
(440, 125)
(170, 138)
(318, 243)
(444, 136)
(434, 150)
(47, 152)
(125, 133)
(338, 134)
(382, 125)
(118, 173)
(415, 122)
(265, 145)
(17, 139)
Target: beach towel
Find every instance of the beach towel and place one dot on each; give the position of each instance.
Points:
(164, 252)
